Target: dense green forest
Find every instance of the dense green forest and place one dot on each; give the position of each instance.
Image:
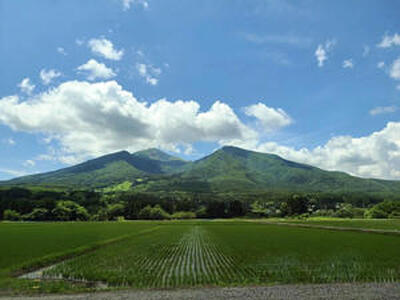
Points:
(46, 205)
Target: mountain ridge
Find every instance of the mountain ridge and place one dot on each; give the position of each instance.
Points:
(227, 169)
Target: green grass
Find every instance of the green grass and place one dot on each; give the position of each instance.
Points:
(175, 254)
(380, 224)
(186, 254)
(26, 246)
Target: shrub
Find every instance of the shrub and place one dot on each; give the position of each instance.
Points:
(37, 214)
(11, 215)
(69, 211)
(181, 215)
(384, 210)
(115, 211)
(153, 213)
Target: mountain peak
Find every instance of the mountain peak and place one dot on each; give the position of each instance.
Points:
(156, 154)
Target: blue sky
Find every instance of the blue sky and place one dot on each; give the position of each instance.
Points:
(313, 81)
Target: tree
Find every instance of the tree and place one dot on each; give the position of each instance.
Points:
(69, 211)
(115, 210)
(37, 214)
(344, 210)
(11, 215)
(297, 205)
(383, 210)
(153, 213)
(257, 209)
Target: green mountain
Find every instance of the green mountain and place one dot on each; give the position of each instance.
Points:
(235, 169)
(107, 170)
(154, 161)
(226, 170)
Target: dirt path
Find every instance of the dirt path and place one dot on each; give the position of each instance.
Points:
(324, 291)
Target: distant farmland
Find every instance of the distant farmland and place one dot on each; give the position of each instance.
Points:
(187, 254)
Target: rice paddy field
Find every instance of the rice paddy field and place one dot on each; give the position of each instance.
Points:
(191, 254)
(378, 224)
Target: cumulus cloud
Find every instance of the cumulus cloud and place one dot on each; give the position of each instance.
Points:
(348, 64)
(48, 76)
(322, 52)
(91, 119)
(376, 155)
(105, 48)
(380, 65)
(149, 73)
(382, 110)
(126, 4)
(26, 86)
(94, 70)
(389, 41)
(271, 119)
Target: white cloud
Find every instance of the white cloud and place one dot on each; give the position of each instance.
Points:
(61, 50)
(149, 72)
(271, 119)
(322, 51)
(29, 163)
(94, 70)
(348, 64)
(9, 141)
(395, 70)
(15, 173)
(389, 41)
(380, 65)
(382, 110)
(26, 86)
(79, 42)
(105, 48)
(48, 76)
(376, 155)
(91, 119)
(126, 4)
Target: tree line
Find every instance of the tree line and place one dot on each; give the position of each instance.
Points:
(21, 204)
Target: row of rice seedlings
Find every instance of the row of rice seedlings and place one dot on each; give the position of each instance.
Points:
(191, 261)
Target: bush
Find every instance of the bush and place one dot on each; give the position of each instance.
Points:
(201, 212)
(101, 215)
(11, 215)
(384, 210)
(344, 210)
(376, 213)
(153, 213)
(324, 213)
(37, 214)
(115, 211)
(69, 211)
(183, 215)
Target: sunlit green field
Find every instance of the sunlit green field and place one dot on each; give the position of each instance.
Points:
(380, 224)
(198, 253)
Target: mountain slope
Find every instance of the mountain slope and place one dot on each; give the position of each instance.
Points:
(226, 170)
(155, 161)
(235, 169)
(103, 171)
(108, 170)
